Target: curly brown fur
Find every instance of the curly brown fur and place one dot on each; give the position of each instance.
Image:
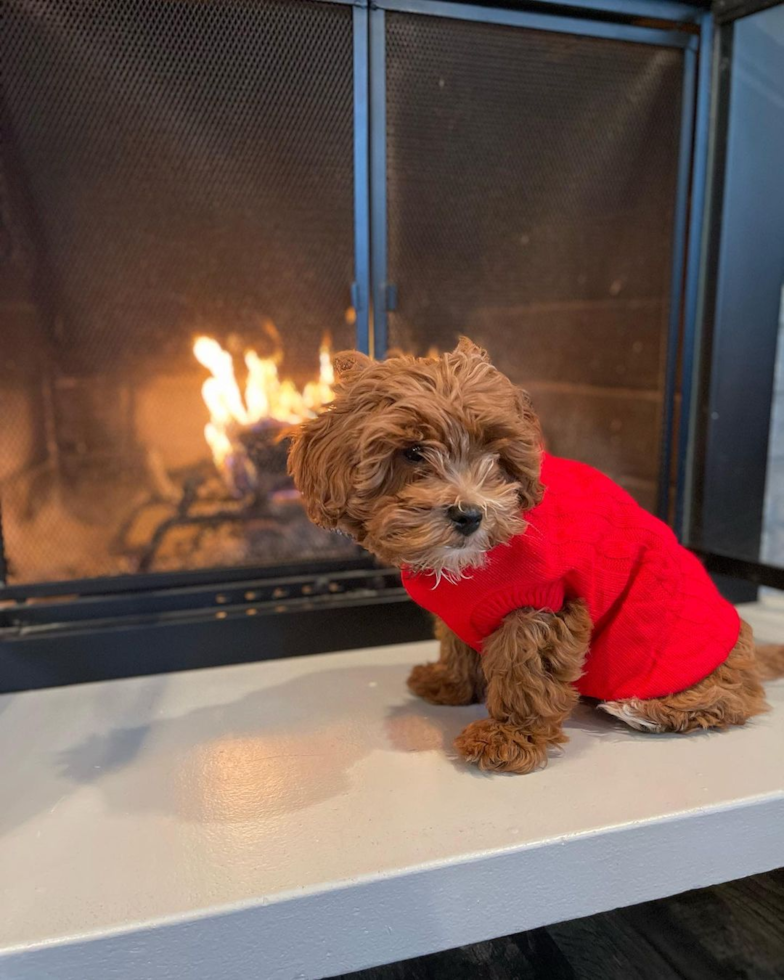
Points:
(479, 441)
(456, 678)
(730, 695)
(531, 663)
(409, 438)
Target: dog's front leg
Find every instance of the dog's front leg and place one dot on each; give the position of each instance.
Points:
(531, 663)
(455, 678)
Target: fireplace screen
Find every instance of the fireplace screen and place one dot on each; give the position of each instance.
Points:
(189, 191)
(531, 193)
(178, 252)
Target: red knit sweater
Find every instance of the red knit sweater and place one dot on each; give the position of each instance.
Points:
(659, 625)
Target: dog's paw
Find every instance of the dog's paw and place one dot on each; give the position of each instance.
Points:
(630, 714)
(496, 747)
(432, 683)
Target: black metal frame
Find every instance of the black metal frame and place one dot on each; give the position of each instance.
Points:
(727, 11)
(734, 511)
(106, 635)
(749, 573)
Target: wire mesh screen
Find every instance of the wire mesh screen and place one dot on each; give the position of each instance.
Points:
(531, 193)
(178, 168)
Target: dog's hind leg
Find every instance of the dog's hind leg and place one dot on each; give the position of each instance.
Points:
(730, 695)
(531, 663)
(455, 678)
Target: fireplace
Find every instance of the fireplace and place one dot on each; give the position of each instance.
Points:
(180, 192)
(202, 200)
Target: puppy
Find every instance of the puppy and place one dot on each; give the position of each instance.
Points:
(548, 581)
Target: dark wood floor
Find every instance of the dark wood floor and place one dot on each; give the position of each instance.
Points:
(729, 932)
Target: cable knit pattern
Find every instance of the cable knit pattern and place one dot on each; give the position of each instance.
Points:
(659, 623)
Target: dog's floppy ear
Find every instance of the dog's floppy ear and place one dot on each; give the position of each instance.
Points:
(320, 462)
(349, 364)
(522, 457)
(466, 346)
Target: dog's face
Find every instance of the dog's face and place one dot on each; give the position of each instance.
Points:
(427, 462)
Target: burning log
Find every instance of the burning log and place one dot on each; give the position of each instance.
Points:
(245, 428)
(266, 449)
(246, 498)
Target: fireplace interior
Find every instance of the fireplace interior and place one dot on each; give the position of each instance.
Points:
(177, 172)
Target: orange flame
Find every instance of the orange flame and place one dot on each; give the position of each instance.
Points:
(266, 395)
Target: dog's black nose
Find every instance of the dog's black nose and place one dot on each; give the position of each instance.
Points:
(466, 519)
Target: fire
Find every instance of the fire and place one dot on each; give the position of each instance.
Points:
(266, 398)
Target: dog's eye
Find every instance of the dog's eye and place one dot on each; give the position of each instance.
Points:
(414, 454)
